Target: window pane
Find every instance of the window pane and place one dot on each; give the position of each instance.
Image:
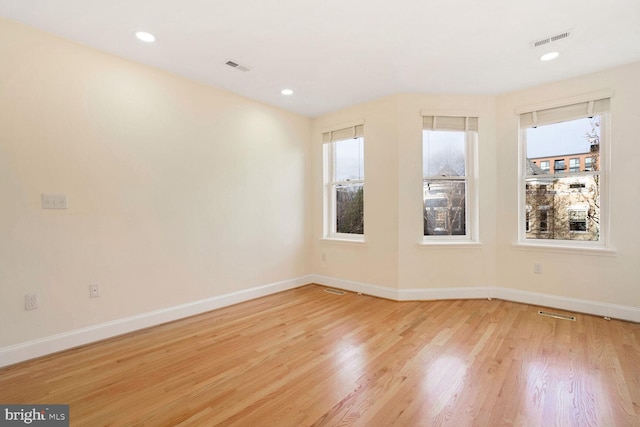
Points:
(577, 220)
(573, 143)
(444, 207)
(350, 208)
(443, 153)
(589, 164)
(545, 166)
(349, 159)
(574, 165)
(566, 208)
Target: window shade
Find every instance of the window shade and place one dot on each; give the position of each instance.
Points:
(350, 132)
(450, 123)
(563, 113)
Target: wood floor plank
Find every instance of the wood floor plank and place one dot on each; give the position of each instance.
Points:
(307, 357)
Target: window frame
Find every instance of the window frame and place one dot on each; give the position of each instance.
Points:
(331, 184)
(603, 244)
(471, 187)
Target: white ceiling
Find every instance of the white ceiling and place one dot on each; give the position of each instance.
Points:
(336, 53)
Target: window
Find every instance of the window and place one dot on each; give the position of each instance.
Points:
(574, 165)
(344, 183)
(589, 164)
(440, 219)
(543, 219)
(545, 166)
(448, 152)
(577, 219)
(571, 208)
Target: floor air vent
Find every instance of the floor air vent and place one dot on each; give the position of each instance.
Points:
(557, 315)
(334, 291)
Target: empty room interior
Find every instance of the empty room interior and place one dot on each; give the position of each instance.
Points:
(320, 213)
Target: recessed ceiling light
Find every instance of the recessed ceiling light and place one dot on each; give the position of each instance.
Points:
(286, 92)
(549, 56)
(145, 37)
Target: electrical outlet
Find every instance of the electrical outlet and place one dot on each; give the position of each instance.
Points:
(94, 291)
(30, 301)
(537, 268)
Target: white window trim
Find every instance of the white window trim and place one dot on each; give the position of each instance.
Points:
(569, 246)
(329, 226)
(471, 211)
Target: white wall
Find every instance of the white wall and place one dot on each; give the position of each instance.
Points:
(602, 278)
(374, 262)
(180, 193)
(391, 264)
(436, 267)
(177, 191)
(391, 257)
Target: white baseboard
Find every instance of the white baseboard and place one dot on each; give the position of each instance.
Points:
(43, 346)
(613, 311)
(443, 293)
(402, 294)
(358, 287)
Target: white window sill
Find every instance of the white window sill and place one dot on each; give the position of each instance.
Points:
(439, 244)
(566, 249)
(344, 241)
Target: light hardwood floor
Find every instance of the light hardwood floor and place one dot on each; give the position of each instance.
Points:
(307, 357)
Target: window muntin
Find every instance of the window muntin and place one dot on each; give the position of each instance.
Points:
(345, 189)
(447, 183)
(570, 140)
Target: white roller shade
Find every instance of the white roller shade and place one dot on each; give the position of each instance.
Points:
(563, 113)
(350, 132)
(450, 123)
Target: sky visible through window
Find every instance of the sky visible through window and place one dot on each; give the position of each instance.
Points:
(443, 153)
(349, 159)
(559, 139)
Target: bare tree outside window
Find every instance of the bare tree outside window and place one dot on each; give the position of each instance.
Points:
(350, 209)
(346, 186)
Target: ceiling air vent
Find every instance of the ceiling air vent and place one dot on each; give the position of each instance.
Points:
(237, 66)
(550, 39)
